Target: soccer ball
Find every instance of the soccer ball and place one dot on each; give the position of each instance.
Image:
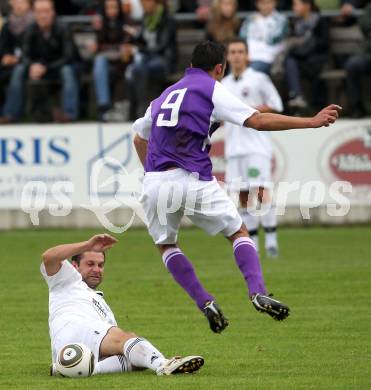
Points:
(75, 361)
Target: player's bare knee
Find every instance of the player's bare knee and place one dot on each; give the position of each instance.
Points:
(241, 232)
(164, 247)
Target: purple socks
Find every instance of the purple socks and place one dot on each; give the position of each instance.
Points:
(182, 270)
(248, 262)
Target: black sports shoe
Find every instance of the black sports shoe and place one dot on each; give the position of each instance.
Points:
(267, 304)
(215, 317)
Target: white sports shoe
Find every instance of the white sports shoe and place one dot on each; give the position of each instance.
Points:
(181, 365)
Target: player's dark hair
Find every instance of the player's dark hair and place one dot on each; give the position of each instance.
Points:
(237, 40)
(77, 258)
(208, 54)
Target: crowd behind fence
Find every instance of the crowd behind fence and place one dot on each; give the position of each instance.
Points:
(107, 59)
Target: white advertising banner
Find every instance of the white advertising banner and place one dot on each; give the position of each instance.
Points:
(61, 159)
(63, 163)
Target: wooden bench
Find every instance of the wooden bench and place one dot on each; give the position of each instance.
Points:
(345, 42)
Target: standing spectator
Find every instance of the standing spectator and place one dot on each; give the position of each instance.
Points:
(154, 54)
(358, 66)
(49, 53)
(111, 37)
(307, 53)
(224, 23)
(265, 32)
(11, 40)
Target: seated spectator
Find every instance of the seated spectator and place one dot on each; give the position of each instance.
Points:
(265, 32)
(347, 8)
(110, 58)
(358, 66)
(154, 54)
(11, 40)
(223, 24)
(49, 53)
(307, 53)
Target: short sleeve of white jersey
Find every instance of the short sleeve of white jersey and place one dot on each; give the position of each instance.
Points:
(228, 108)
(142, 126)
(271, 96)
(66, 276)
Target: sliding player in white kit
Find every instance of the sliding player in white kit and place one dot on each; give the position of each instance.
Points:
(248, 152)
(79, 314)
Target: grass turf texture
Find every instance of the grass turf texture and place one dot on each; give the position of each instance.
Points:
(323, 274)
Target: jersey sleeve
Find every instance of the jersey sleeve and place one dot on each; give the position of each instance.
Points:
(271, 96)
(142, 126)
(66, 276)
(228, 108)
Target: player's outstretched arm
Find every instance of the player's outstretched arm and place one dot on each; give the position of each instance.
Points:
(141, 146)
(276, 122)
(53, 257)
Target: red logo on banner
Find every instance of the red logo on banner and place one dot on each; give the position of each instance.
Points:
(347, 156)
(351, 161)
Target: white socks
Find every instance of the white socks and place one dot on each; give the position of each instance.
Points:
(269, 222)
(113, 364)
(141, 353)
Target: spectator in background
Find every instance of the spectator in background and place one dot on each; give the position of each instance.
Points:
(11, 41)
(307, 53)
(358, 66)
(154, 54)
(110, 58)
(265, 32)
(223, 24)
(49, 53)
(347, 8)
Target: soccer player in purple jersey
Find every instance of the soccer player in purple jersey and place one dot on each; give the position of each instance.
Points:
(173, 142)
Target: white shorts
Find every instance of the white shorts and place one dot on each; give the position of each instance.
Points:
(254, 170)
(86, 332)
(169, 195)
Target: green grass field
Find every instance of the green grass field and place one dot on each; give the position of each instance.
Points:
(323, 274)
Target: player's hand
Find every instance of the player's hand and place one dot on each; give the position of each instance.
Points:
(326, 116)
(100, 243)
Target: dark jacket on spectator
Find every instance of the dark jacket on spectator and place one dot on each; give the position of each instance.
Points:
(313, 37)
(161, 41)
(9, 43)
(53, 50)
(12, 35)
(112, 32)
(365, 24)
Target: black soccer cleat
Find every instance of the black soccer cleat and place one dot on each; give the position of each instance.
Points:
(216, 318)
(266, 304)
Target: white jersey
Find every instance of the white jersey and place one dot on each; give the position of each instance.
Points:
(72, 300)
(255, 89)
(265, 35)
